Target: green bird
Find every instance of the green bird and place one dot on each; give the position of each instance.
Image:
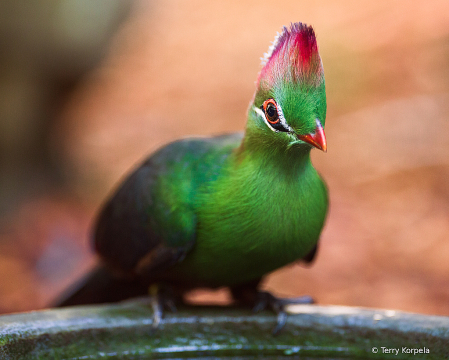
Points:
(226, 210)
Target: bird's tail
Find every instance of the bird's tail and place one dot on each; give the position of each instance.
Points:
(100, 286)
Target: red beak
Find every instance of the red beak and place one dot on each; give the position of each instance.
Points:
(317, 139)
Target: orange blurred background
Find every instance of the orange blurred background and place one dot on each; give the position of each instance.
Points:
(88, 89)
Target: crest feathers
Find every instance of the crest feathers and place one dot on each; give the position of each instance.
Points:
(293, 57)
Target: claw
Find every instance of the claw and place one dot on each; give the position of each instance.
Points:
(265, 299)
(157, 311)
(169, 305)
(281, 320)
(161, 299)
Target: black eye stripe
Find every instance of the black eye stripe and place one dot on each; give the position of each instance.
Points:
(279, 127)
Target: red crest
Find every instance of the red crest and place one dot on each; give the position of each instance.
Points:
(293, 57)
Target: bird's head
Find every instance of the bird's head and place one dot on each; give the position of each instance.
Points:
(289, 106)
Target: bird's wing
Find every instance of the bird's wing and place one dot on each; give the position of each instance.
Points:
(150, 223)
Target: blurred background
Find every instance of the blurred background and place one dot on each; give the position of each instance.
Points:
(88, 89)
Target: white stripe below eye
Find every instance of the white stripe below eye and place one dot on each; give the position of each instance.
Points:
(262, 115)
(281, 118)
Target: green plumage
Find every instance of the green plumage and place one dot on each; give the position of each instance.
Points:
(227, 210)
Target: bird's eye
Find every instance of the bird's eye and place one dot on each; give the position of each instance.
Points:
(271, 112)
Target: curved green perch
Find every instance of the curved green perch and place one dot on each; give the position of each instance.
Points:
(124, 331)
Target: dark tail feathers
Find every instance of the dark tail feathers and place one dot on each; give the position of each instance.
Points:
(100, 286)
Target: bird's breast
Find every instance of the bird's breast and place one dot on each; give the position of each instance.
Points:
(250, 226)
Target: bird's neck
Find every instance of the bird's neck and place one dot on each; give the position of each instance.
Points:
(262, 147)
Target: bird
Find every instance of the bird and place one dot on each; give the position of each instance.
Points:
(223, 211)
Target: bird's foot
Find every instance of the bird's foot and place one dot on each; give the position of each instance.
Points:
(265, 300)
(162, 298)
